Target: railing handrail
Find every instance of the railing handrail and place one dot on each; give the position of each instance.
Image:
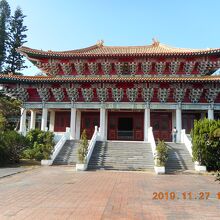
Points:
(185, 140)
(92, 144)
(151, 140)
(60, 144)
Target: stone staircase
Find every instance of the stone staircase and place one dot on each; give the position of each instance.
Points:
(68, 154)
(111, 155)
(179, 159)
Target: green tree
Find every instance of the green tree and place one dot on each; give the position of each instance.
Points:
(83, 149)
(4, 22)
(11, 146)
(10, 112)
(206, 143)
(2, 122)
(40, 145)
(16, 38)
(162, 153)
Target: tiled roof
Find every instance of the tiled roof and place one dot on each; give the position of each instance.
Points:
(99, 50)
(4, 78)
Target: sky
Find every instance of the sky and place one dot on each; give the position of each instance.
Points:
(71, 24)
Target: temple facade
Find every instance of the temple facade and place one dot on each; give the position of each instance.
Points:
(123, 90)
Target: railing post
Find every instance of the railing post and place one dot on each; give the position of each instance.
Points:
(183, 133)
(67, 133)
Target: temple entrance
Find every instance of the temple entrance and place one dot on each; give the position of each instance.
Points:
(188, 120)
(88, 121)
(62, 121)
(161, 122)
(126, 126)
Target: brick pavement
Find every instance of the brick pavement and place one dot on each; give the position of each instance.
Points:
(60, 193)
(8, 171)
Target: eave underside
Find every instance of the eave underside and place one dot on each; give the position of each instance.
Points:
(112, 79)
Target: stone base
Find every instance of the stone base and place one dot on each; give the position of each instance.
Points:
(200, 168)
(159, 170)
(81, 167)
(46, 162)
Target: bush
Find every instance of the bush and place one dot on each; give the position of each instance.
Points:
(162, 153)
(83, 149)
(10, 110)
(218, 176)
(2, 122)
(206, 143)
(40, 145)
(11, 146)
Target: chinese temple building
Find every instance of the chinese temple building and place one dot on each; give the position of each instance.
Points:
(122, 89)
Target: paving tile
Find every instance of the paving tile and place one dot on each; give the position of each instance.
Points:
(59, 192)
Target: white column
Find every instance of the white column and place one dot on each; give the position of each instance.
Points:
(73, 124)
(33, 119)
(146, 123)
(22, 129)
(173, 118)
(178, 123)
(102, 123)
(52, 120)
(44, 119)
(211, 114)
(78, 124)
(106, 125)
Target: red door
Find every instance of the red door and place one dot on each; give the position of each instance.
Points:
(188, 121)
(126, 126)
(88, 121)
(138, 127)
(62, 120)
(161, 122)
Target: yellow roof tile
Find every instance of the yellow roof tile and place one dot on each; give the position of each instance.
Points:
(101, 50)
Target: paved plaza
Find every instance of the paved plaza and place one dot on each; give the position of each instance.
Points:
(61, 193)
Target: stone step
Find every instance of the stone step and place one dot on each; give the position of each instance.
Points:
(121, 156)
(179, 158)
(68, 154)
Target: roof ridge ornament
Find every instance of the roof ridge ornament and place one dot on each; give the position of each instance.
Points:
(100, 43)
(155, 42)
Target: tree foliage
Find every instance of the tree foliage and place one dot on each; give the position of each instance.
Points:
(83, 149)
(12, 36)
(16, 38)
(11, 146)
(4, 23)
(40, 145)
(206, 143)
(2, 122)
(10, 112)
(162, 153)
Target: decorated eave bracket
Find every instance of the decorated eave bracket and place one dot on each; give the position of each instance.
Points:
(54, 67)
(211, 94)
(44, 94)
(144, 92)
(19, 93)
